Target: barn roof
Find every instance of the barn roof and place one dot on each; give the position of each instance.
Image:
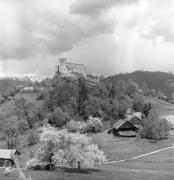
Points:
(7, 153)
(119, 123)
(137, 114)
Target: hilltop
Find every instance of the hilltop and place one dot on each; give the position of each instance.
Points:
(157, 80)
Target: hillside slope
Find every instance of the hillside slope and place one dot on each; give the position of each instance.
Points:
(154, 80)
(10, 82)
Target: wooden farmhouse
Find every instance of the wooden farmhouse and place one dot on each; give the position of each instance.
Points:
(129, 126)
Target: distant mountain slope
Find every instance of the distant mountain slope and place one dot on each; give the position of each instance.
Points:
(10, 82)
(154, 80)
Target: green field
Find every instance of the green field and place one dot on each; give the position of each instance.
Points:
(157, 166)
(162, 107)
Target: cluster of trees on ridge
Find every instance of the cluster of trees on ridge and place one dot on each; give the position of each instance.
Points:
(65, 99)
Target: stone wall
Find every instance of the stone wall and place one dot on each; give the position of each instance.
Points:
(71, 69)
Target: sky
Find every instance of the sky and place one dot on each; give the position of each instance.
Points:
(107, 36)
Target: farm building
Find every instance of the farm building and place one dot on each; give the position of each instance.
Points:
(124, 128)
(28, 89)
(129, 126)
(135, 119)
(6, 157)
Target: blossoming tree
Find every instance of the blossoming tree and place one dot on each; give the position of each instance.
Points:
(68, 149)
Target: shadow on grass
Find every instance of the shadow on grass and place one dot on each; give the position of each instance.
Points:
(75, 170)
(68, 170)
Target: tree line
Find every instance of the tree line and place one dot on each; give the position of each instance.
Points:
(64, 99)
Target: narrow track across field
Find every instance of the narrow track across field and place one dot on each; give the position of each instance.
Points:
(140, 156)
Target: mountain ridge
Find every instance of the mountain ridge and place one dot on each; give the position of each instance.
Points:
(10, 82)
(33, 78)
(158, 80)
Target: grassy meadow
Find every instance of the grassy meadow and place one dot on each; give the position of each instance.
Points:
(158, 166)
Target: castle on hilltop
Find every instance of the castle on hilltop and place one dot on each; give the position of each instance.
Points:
(67, 69)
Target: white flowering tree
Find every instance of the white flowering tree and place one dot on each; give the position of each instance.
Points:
(68, 149)
(95, 122)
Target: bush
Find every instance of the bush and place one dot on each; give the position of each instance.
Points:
(22, 126)
(12, 143)
(94, 125)
(58, 117)
(138, 103)
(123, 106)
(98, 139)
(75, 126)
(33, 138)
(10, 132)
(154, 128)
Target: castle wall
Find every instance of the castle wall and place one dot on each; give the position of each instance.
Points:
(76, 69)
(71, 69)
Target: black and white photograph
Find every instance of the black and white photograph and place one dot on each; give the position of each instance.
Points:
(86, 89)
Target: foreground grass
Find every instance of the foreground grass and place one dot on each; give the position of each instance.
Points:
(158, 166)
(117, 148)
(110, 173)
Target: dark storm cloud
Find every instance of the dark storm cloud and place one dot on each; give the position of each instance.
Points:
(64, 34)
(96, 7)
(118, 35)
(40, 29)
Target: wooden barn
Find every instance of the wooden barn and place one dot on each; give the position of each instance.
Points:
(128, 127)
(124, 128)
(135, 119)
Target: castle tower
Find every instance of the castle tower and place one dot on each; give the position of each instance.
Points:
(62, 61)
(62, 69)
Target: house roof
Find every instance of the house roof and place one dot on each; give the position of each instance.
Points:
(137, 114)
(119, 123)
(7, 153)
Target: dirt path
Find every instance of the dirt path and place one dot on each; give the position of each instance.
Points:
(140, 156)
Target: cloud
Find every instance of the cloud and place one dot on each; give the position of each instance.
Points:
(16, 30)
(64, 34)
(118, 35)
(154, 20)
(96, 7)
(43, 27)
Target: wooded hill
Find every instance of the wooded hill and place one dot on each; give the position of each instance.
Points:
(157, 80)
